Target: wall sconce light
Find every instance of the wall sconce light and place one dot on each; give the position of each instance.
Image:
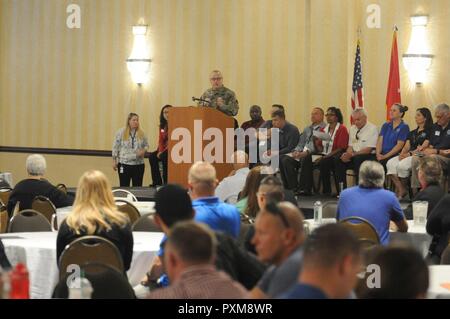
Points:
(417, 60)
(139, 62)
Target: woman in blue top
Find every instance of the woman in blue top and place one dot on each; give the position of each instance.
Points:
(393, 135)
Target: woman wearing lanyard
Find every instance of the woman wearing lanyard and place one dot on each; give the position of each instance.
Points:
(399, 167)
(331, 148)
(128, 152)
(393, 135)
(160, 155)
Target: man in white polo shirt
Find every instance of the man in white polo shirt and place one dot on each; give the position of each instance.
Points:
(361, 146)
(230, 187)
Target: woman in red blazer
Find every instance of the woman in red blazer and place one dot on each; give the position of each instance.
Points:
(160, 155)
(333, 148)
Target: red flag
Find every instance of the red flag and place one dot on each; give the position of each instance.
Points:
(393, 91)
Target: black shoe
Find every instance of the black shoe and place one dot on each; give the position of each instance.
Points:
(303, 193)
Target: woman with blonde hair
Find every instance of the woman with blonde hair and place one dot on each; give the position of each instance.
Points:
(130, 145)
(95, 213)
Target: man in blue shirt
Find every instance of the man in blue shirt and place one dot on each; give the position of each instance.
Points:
(209, 209)
(370, 201)
(331, 262)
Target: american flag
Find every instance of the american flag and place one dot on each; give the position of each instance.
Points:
(357, 86)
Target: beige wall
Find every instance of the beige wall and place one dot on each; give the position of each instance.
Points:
(71, 88)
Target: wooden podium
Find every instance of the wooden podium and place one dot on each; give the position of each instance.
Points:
(187, 126)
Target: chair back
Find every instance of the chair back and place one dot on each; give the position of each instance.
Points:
(129, 209)
(3, 220)
(106, 281)
(363, 230)
(44, 206)
(4, 194)
(146, 223)
(123, 193)
(29, 220)
(329, 209)
(88, 249)
(243, 233)
(62, 188)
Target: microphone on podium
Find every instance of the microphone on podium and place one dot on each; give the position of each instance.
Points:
(202, 101)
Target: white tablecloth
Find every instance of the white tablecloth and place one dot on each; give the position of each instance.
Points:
(143, 208)
(416, 236)
(38, 252)
(439, 277)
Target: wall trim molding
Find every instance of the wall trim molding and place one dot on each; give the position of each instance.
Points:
(55, 151)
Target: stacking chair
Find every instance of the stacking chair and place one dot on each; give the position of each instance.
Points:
(129, 209)
(123, 193)
(62, 188)
(106, 281)
(363, 230)
(146, 223)
(4, 195)
(29, 220)
(44, 206)
(90, 249)
(329, 209)
(3, 220)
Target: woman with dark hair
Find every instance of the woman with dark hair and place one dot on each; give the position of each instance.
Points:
(332, 147)
(393, 135)
(160, 155)
(399, 167)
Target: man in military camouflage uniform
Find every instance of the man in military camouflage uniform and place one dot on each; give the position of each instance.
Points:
(220, 97)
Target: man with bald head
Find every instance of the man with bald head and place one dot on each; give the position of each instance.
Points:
(278, 239)
(292, 162)
(209, 209)
(229, 188)
(220, 97)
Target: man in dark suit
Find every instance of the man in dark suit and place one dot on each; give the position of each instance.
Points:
(429, 176)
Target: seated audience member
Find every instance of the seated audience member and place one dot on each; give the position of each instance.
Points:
(268, 124)
(438, 226)
(189, 262)
(399, 167)
(393, 135)
(161, 153)
(35, 185)
(256, 118)
(288, 136)
(331, 262)
(173, 205)
(278, 239)
(229, 188)
(333, 148)
(403, 275)
(290, 163)
(209, 209)
(361, 147)
(269, 191)
(95, 213)
(439, 145)
(372, 202)
(248, 200)
(430, 173)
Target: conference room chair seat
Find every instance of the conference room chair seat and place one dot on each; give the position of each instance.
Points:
(89, 249)
(44, 206)
(363, 230)
(146, 223)
(29, 220)
(106, 282)
(129, 209)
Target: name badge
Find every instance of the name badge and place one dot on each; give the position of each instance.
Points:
(437, 133)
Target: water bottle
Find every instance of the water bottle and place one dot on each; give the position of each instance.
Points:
(318, 212)
(20, 283)
(80, 288)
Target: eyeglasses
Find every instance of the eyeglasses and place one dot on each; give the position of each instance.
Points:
(357, 133)
(273, 209)
(215, 79)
